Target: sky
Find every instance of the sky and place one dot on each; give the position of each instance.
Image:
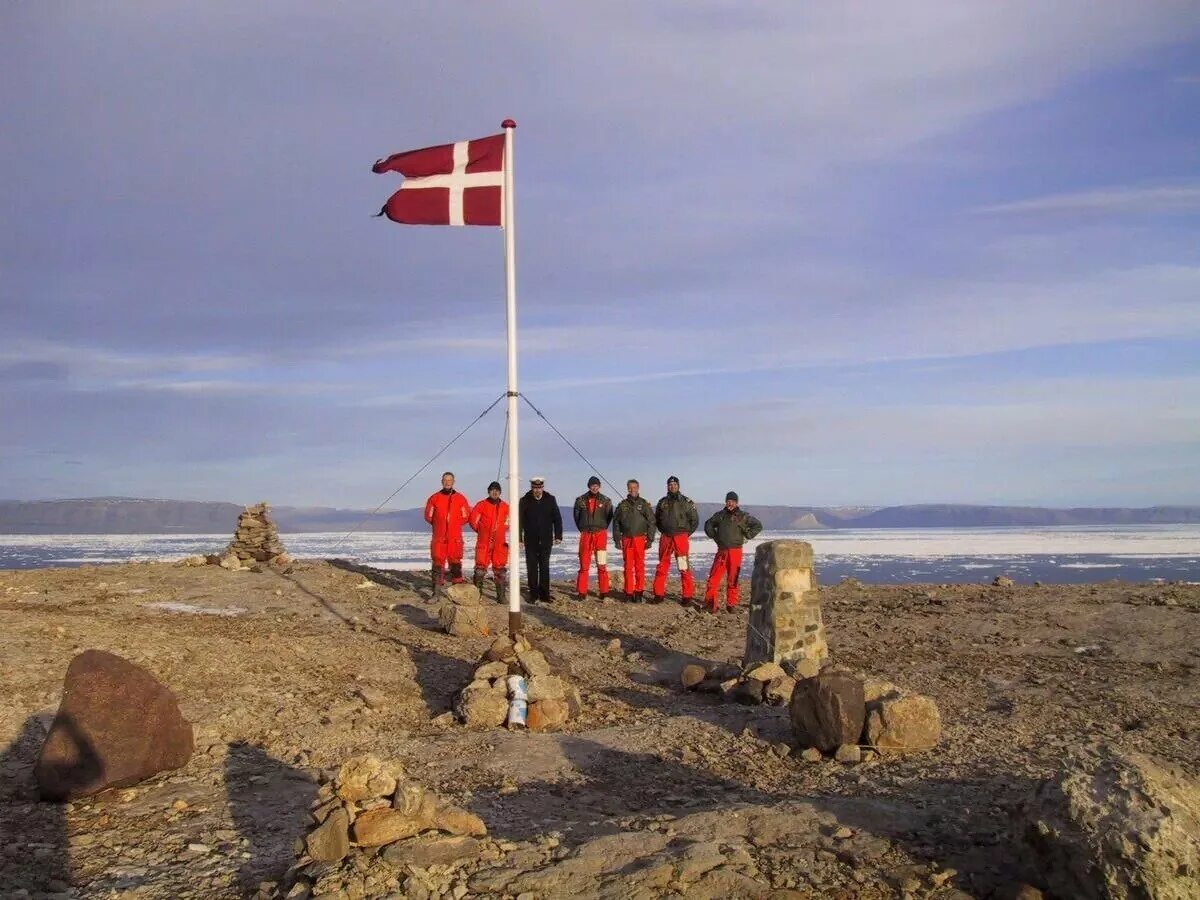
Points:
(819, 254)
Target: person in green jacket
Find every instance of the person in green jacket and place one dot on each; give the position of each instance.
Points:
(677, 519)
(730, 528)
(593, 513)
(633, 532)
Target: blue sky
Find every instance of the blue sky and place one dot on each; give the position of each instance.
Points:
(890, 253)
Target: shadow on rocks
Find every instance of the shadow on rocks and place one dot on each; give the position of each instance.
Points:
(439, 677)
(397, 580)
(609, 784)
(268, 801)
(965, 823)
(34, 846)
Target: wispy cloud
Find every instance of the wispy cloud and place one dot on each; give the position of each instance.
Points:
(1175, 198)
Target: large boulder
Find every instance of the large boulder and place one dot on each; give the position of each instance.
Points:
(482, 705)
(1111, 826)
(464, 620)
(828, 711)
(909, 722)
(117, 725)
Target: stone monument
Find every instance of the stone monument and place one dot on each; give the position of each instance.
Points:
(785, 610)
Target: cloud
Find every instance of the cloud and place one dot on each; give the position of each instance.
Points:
(1178, 198)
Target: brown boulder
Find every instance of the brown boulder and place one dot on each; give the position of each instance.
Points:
(330, 841)
(904, 723)
(828, 710)
(377, 827)
(691, 676)
(546, 715)
(464, 621)
(117, 725)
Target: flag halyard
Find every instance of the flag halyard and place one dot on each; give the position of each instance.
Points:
(450, 184)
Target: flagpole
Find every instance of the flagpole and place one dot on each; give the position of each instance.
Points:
(510, 286)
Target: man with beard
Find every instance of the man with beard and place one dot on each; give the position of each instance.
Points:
(593, 513)
(730, 528)
(540, 524)
(676, 518)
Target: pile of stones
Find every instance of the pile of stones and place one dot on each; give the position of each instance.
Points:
(255, 541)
(463, 613)
(514, 684)
(370, 809)
(786, 663)
(256, 538)
(839, 712)
(764, 682)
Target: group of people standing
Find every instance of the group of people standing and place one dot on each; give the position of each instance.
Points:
(634, 524)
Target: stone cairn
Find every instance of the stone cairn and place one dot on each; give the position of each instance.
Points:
(514, 684)
(257, 538)
(255, 541)
(370, 811)
(786, 663)
(463, 613)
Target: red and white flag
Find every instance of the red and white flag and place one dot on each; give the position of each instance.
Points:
(453, 184)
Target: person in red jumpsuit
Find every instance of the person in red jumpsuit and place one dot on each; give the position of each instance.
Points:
(447, 511)
(489, 520)
(730, 528)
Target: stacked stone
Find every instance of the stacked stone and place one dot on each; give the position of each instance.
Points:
(514, 684)
(785, 609)
(371, 805)
(257, 538)
(463, 613)
(786, 664)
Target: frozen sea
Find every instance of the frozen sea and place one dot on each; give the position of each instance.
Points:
(881, 556)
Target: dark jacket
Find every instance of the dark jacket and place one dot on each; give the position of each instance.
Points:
(633, 517)
(596, 520)
(676, 514)
(732, 529)
(540, 521)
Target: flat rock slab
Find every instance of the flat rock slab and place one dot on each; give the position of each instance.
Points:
(117, 725)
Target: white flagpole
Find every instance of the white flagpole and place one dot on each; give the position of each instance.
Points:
(514, 487)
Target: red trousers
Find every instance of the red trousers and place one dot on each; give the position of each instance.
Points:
(593, 543)
(447, 547)
(676, 545)
(634, 550)
(490, 551)
(727, 564)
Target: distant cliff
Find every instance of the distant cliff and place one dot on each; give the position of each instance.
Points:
(120, 515)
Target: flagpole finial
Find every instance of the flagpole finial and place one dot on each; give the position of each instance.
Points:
(508, 123)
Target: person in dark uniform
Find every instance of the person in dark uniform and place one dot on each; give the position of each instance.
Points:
(541, 527)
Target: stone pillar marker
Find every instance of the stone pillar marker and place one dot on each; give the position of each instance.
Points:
(785, 610)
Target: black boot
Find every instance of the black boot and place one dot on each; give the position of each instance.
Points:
(435, 583)
(501, 576)
(478, 578)
(456, 572)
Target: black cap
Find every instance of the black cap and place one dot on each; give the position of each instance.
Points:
(732, 495)
(674, 478)
(494, 486)
(593, 480)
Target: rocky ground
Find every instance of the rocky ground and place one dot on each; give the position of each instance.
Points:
(649, 792)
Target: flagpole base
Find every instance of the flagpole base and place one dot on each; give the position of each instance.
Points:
(514, 624)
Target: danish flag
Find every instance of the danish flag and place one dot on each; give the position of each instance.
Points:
(452, 184)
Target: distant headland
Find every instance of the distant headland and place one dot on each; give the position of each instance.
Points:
(124, 515)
